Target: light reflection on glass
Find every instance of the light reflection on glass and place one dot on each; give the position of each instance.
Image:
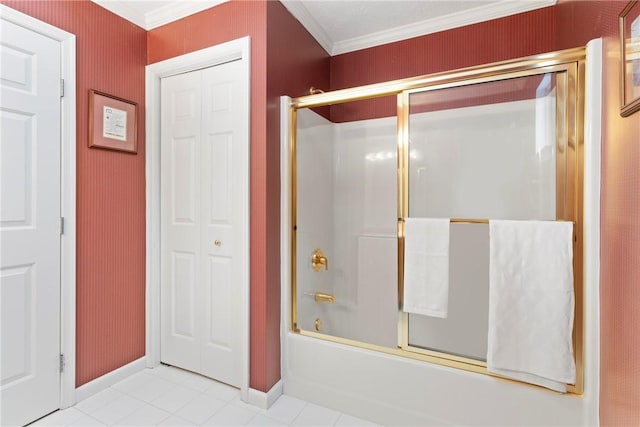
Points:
(387, 155)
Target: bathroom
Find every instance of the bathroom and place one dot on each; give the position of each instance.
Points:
(117, 301)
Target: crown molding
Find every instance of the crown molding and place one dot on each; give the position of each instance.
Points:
(173, 11)
(429, 26)
(123, 10)
(301, 13)
(177, 10)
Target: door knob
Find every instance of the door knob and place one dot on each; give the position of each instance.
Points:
(217, 243)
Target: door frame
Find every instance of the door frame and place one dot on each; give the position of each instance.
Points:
(67, 194)
(239, 49)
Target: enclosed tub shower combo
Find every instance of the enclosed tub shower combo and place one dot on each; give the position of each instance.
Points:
(439, 220)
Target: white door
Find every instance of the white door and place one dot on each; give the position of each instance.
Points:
(201, 298)
(29, 224)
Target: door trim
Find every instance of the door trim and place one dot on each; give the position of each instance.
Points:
(239, 49)
(67, 194)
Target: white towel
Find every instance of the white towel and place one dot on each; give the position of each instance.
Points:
(426, 266)
(531, 302)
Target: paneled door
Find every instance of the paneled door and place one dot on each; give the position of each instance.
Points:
(29, 224)
(201, 127)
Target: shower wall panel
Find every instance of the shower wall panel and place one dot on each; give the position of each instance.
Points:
(315, 163)
(347, 207)
(494, 161)
(464, 331)
(365, 228)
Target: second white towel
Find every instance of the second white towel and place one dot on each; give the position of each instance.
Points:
(426, 266)
(531, 302)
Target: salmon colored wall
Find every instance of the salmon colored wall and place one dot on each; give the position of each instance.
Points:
(295, 62)
(489, 41)
(110, 275)
(579, 21)
(284, 60)
(213, 26)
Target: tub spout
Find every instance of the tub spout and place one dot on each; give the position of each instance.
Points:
(322, 297)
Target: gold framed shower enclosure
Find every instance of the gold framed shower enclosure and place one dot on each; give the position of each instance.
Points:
(568, 67)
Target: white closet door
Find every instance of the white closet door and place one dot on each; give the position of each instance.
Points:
(200, 290)
(181, 222)
(29, 224)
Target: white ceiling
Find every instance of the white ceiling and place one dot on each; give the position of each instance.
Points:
(345, 25)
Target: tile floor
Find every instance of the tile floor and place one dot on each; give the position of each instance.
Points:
(167, 396)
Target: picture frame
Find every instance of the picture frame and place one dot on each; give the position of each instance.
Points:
(113, 123)
(629, 20)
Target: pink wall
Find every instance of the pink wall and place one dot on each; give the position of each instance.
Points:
(578, 22)
(284, 59)
(489, 41)
(295, 62)
(110, 275)
(226, 22)
(495, 40)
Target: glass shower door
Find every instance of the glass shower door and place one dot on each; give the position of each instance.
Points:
(478, 152)
(346, 213)
(495, 142)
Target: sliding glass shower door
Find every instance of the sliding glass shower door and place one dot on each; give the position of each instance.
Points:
(500, 142)
(481, 151)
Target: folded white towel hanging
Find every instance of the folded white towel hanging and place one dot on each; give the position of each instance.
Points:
(531, 302)
(426, 266)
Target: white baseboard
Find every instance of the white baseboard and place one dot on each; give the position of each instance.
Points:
(265, 400)
(107, 380)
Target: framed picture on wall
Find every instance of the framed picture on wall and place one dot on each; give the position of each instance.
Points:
(113, 122)
(630, 58)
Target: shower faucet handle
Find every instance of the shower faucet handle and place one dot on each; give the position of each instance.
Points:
(318, 260)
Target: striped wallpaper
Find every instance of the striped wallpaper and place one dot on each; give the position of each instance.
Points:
(110, 276)
(579, 21)
(490, 41)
